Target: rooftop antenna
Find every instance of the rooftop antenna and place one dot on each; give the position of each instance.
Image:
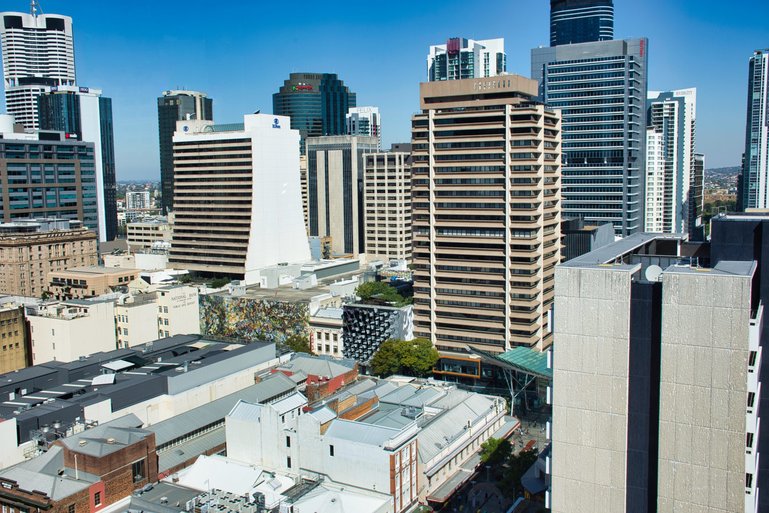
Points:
(34, 6)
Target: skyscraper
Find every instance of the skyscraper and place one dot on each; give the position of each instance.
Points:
(755, 163)
(697, 199)
(581, 21)
(670, 145)
(600, 88)
(463, 58)
(241, 211)
(486, 216)
(176, 106)
(335, 190)
(387, 203)
(87, 115)
(317, 104)
(38, 52)
(365, 121)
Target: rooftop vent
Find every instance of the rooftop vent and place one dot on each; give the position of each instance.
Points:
(110, 440)
(81, 443)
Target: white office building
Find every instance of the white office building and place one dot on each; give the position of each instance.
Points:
(137, 200)
(465, 58)
(237, 197)
(364, 121)
(38, 52)
(754, 183)
(670, 148)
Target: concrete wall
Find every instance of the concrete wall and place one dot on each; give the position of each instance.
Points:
(703, 392)
(590, 396)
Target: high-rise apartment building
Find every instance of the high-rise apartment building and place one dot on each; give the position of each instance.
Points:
(664, 416)
(581, 21)
(46, 175)
(335, 170)
(242, 211)
(600, 89)
(364, 121)
(173, 106)
(486, 195)
(84, 113)
(137, 200)
(387, 203)
(697, 198)
(38, 52)
(754, 182)
(317, 104)
(30, 250)
(670, 145)
(462, 58)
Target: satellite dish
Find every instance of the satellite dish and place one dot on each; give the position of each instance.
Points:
(653, 273)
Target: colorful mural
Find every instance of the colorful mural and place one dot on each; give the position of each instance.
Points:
(251, 319)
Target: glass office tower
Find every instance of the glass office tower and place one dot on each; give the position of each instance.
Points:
(754, 182)
(600, 88)
(581, 21)
(317, 104)
(176, 106)
(86, 115)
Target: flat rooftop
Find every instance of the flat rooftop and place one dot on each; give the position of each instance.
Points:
(95, 270)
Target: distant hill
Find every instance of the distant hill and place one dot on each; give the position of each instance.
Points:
(723, 171)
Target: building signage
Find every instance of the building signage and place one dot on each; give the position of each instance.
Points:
(302, 88)
(84, 90)
(276, 123)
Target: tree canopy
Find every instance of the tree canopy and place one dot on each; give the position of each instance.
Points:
(298, 344)
(380, 292)
(495, 450)
(411, 357)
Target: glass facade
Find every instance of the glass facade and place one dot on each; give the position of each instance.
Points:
(317, 104)
(61, 111)
(600, 89)
(48, 179)
(176, 106)
(581, 21)
(754, 181)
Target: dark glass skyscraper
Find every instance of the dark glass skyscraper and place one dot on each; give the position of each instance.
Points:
(176, 106)
(87, 116)
(581, 21)
(317, 104)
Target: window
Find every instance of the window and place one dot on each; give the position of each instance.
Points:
(137, 469)
(288, 441)
(97, 499)
(288, 461)
(330, 450)
(71, 508)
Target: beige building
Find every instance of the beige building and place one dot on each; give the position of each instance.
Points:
(89, 281)
(66, 330)
(28, 254)
(168, 311)
(14, 342)
(143, 234)
(486, 192)
(326, 335)
(387, 205)
(335, 184)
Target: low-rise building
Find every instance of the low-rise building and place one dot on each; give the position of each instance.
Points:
(365, 327)
(326, 336)
(416, 441)
(88, 282)
(64, 331)
(84, 472)
(167, 311)
(319, 377)
(30, 250)
(143, 234)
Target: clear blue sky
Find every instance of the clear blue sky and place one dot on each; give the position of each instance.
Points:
(240, 53)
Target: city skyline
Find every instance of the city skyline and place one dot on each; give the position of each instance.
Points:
(133, 57)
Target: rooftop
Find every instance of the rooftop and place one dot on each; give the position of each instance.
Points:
(95, 270)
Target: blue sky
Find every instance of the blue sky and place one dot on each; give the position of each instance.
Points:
(240, 53)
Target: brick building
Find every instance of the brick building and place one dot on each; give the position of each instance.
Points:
(85, 472)
(319, 377)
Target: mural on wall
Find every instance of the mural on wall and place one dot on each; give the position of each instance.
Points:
(251, 319)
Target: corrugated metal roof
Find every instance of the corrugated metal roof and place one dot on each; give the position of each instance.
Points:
(190, 449)
(324, 415)
(246, 411)
(292, 402)
(179, 425)
(315, 366)
(361, 433)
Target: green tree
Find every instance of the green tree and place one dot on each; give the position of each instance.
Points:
(517, 465)
(218, 283)
(495, 450)
(298, 343)
(412, 357)
(379, 292)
